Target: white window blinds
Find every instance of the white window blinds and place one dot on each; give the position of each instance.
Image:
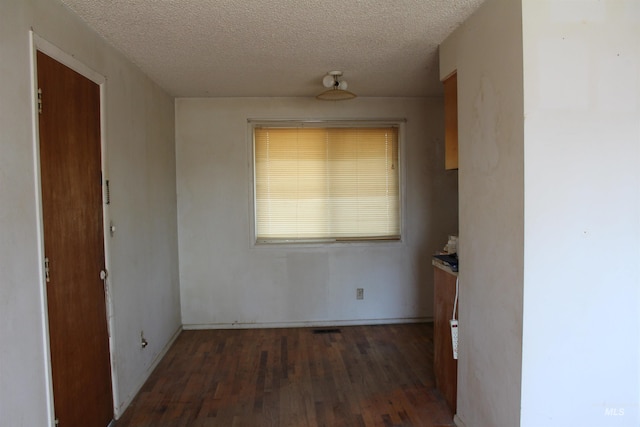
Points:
(326, 184)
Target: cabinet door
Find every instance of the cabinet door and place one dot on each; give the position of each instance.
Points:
(445, 366)
(451, 122)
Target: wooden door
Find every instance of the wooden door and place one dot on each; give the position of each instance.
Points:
(70, 163)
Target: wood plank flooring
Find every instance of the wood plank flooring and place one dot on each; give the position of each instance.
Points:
(362, 376)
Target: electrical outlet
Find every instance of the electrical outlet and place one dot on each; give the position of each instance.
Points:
(360, 293)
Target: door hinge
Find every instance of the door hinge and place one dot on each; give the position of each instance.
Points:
(107, 192)
(57, 422)
(46, 270)
(39, 101)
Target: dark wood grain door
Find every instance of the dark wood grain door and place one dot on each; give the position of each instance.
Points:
(70, 163)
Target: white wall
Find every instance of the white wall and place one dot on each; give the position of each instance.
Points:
(581, 352)
(143, 253)
(487, 52)
(226, 281)
(554, 91)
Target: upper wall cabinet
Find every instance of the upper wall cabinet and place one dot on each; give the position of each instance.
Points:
(451, 122)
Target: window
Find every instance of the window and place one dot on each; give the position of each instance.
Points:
(326, 184)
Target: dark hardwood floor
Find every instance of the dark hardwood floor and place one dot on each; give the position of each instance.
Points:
(360, 376)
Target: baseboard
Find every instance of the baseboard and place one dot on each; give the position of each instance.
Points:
(306, 324)
(124, 404)
(458, 422)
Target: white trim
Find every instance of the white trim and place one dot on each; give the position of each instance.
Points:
(251, 164)
(458, 421)
(402, 175)
(320, 123)
(119, 410)
(306, 324)
(38, 43)
(106, 240)
(40, 232)
(309, 246)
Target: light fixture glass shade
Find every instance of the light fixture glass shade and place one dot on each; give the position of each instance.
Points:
(328, 80)
(338, 90)
(335, 95)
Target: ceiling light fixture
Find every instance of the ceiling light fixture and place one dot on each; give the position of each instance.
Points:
(338, 88)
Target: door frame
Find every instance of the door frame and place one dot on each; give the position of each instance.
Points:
(37, 43)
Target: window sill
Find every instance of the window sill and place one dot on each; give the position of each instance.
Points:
(325, 244)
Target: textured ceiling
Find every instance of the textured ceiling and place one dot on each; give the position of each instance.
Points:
(280, 47)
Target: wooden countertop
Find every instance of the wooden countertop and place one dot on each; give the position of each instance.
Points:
(441, 265)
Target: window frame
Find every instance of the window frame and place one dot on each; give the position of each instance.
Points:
(324, 242)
